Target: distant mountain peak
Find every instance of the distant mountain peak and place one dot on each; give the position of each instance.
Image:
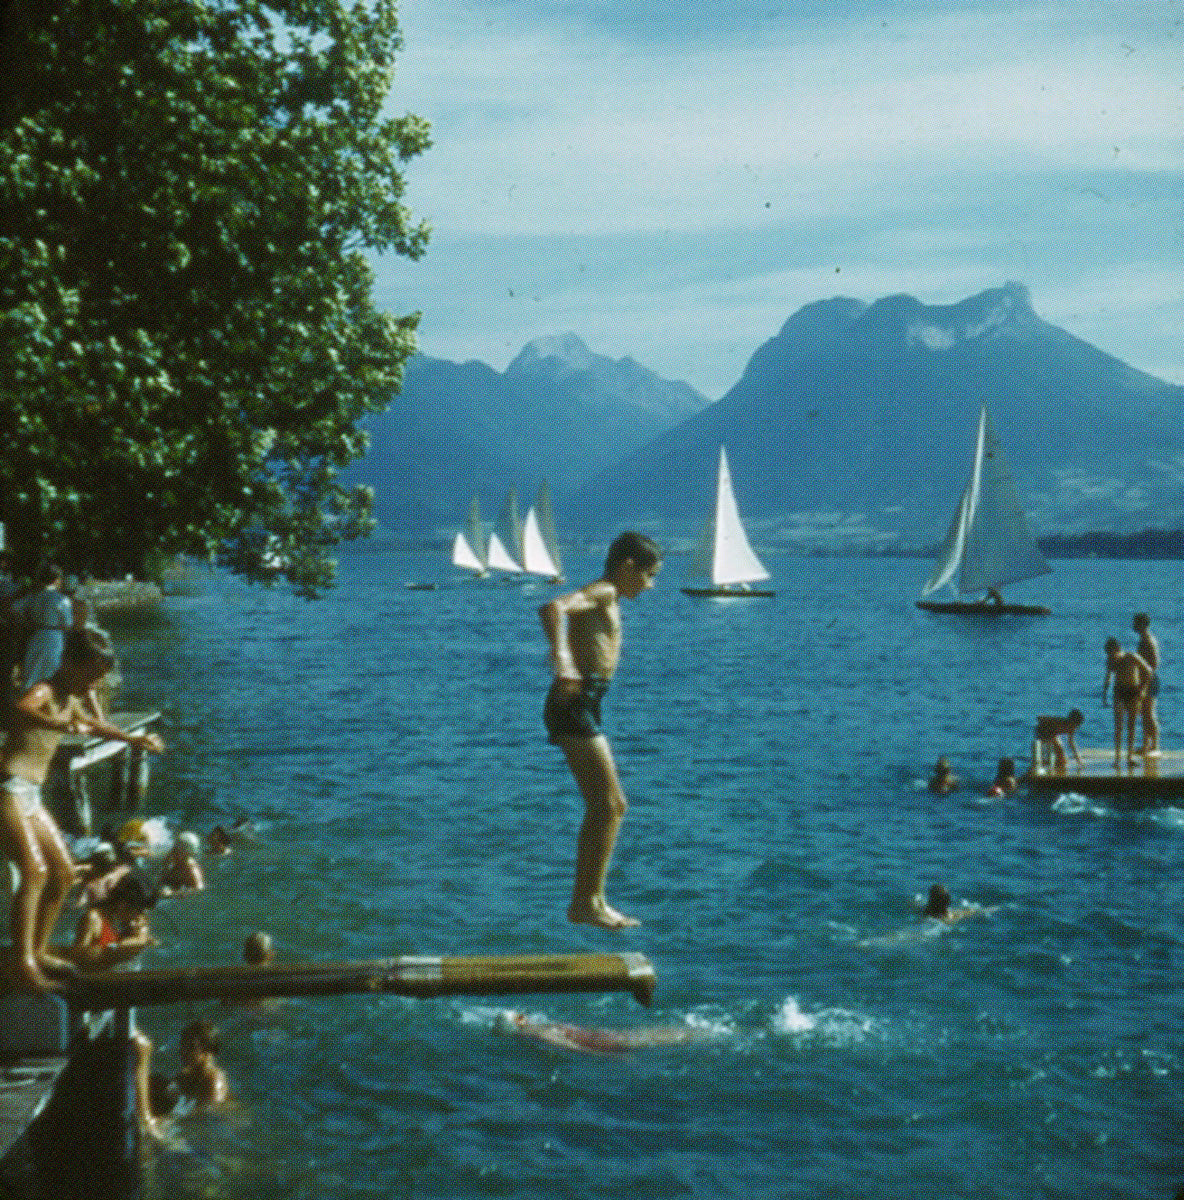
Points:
(938, 327)
(566, 349)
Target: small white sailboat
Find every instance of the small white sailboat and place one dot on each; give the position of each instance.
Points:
(540, 542)
(505, 542)
(988, 543)
(468, 547)
(724, 557)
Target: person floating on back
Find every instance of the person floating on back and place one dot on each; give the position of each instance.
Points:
(1048, 734)
(1132, 676)
(1148, 649)
(34, 726)
(584, 631)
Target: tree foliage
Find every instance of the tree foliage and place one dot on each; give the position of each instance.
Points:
(188, 339)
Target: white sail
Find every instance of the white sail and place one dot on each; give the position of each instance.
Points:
(505, 542)
(988, 543)
(540, 544)
(724, 554)
(468, 547)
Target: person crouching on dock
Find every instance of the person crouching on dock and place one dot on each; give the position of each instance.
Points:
(584, 630)
(29, 838)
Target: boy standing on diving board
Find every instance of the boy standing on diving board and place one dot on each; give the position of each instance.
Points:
(584, 629)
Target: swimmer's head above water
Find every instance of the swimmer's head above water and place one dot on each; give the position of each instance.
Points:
(938, 904)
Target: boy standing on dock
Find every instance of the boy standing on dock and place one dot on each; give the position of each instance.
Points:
(29, 838)
(1132, 676)
(584, 630)
(1148, 649)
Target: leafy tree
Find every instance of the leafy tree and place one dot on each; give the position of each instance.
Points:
(188, 339)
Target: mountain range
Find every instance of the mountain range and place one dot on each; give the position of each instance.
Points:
(852, 428)
(558, 411)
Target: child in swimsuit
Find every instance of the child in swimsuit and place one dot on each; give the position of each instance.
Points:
(30, 839)
(584, 630)
(1132, 675)
(1048, 733)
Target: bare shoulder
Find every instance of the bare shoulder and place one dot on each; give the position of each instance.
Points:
(601, 593)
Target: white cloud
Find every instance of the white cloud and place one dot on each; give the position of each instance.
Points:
(938, 154)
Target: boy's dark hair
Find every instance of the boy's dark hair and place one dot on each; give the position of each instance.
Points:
(84, 647)
(1077, 716)
(1140, 621)
(1112, 643)
(204, 1034)
(644, 551)
(130, 889)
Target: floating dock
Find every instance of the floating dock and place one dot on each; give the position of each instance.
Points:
(1146, 780)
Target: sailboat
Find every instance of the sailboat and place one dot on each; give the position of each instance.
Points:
(724, 556)
(468, 547)
(540, 542)
(505, 542)
(988, 543)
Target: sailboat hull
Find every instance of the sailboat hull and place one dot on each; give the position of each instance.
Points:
(984, 608)
(736, 593)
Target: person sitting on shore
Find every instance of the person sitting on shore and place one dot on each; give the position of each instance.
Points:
(179, 870)
(1005, 781)
(34, 727)
(1132, 677)
(943, 781)
(1048, 734)
(115, 930)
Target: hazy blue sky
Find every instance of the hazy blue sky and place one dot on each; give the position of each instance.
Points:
(674, 186)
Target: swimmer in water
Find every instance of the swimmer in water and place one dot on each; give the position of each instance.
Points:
(943, 781)
(595, 1040)
(1005, 781)
(938, 907)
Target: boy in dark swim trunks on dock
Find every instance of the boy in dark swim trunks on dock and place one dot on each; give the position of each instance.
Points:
(1132, 676)
(1148, 650)
(584, 630)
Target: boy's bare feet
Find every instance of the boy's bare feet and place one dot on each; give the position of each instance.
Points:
(599, 913)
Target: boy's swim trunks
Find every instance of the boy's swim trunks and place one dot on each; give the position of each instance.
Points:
(25, 792)
(1127, 691)
(576, 715)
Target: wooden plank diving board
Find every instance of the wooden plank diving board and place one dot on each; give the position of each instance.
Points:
(1147, 780)
(422, 976)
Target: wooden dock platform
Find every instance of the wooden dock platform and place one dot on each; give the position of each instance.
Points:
(1147, 780)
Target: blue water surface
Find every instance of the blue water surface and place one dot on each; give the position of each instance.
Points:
(387, 745)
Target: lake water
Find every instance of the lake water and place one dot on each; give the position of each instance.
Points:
(387, 743)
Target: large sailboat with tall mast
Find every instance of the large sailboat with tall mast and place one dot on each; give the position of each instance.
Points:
(505, 542)
(540, 541)
(988, 543)
(725, 559)
(468, 547)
